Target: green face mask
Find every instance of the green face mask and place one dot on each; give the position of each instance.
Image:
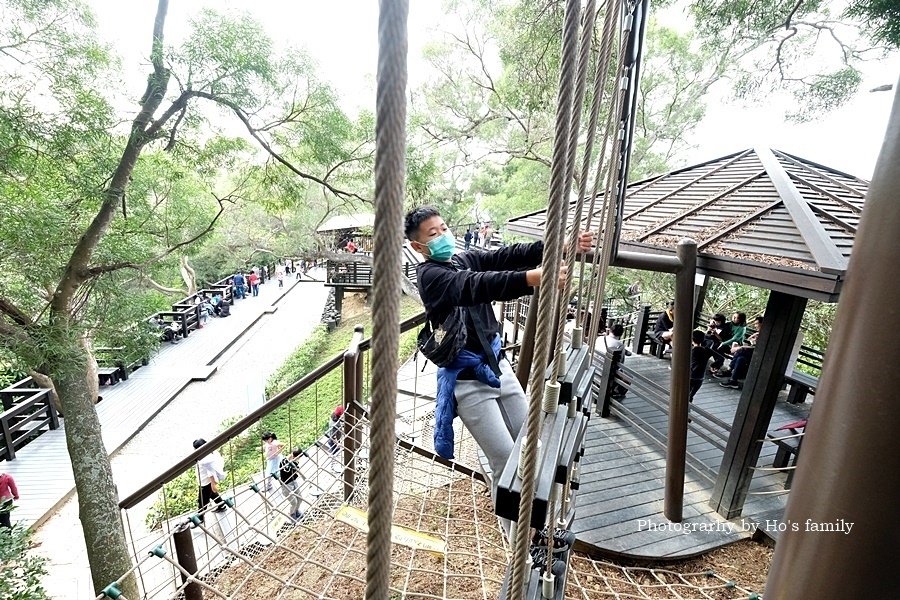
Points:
(441, 249)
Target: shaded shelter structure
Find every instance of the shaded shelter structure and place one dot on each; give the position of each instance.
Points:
(339, 229)
(761, 217)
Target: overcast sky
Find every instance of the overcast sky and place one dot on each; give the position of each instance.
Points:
(341, 37)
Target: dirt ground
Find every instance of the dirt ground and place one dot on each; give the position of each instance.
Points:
(325, 558)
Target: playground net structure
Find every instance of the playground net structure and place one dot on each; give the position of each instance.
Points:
(447, 541)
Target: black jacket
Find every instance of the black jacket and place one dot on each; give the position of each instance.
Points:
(476, 278)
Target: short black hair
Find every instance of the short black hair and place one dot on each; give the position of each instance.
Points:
(269, 435)
(618, 329)
(760, 318)
(198, 442)
(697, 337)
(719, 318)
(414, 219)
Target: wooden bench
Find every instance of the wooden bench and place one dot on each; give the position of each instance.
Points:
(801, 384)
(126, 363)
(108, 375)
(788, 447)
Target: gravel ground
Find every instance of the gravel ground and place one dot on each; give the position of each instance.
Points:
(196, 412)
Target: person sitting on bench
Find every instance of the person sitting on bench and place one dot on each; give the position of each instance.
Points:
(740, 358)
(168, 331)
(737, 331)
(664, 324)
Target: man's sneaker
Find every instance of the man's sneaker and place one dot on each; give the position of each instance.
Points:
(733, 385)
(539, 561)
(562, 540)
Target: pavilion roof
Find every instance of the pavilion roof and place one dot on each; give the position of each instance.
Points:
(758, 216)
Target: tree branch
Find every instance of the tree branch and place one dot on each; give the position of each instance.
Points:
(74, 274)
(245, 119)
(14, 312)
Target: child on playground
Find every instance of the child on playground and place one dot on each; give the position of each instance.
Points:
(272, 449)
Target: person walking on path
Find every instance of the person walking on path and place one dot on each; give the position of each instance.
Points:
(8, 493)
(289, 476)
(279, 275)
(272, 449)
(333, 433)
(253, 280)
(238, 281)
(210, 473)
(467, 238)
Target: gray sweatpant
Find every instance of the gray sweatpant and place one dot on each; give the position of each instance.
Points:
(493, 417)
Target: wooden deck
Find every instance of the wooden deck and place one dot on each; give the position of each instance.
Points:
(42, 469)
(620, 500)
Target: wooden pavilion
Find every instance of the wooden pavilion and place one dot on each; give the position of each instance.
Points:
(761, 217)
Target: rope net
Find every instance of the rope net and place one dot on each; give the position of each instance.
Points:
(446, 540)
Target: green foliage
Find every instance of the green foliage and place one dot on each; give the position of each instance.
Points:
(20, 574)
(882, 18)
(518, 188)
(826, 92)
(800, 48)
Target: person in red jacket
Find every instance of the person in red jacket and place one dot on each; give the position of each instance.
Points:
(8, 493)
(253, 282)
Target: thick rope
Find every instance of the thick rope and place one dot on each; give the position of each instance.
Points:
(584, 59)
(604, 249)
(549, 280)
(609, 26)
(390, 155)
(603, 169)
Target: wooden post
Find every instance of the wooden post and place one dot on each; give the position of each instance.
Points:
(352, 395)
(526, 352)
(700, 297)
(608, 379)
(754, 412)
(676, 443)
(187, 560)
(640, 330)
(851, 451)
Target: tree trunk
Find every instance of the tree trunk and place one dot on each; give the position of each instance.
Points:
(188, 275)
(101, 520)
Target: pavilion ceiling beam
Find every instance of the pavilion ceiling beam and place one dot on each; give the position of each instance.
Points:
(702, 205)
(681, 188)
(836, 220)
(821, 173)
(826, 193)
(737, 225)
(822, 248)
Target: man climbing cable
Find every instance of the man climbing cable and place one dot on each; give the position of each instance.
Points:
(475, 380)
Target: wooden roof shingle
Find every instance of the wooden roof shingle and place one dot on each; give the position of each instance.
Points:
(759, 216)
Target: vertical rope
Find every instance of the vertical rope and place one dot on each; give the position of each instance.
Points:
(584, 59)
(390, 154)
(547, 302)
(612, 17)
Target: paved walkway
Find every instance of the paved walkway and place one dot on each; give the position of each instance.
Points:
(245, 348)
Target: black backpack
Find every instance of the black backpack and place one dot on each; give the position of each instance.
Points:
(442, 344)
(287, 470)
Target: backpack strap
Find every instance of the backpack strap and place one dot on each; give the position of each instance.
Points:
(480, 328)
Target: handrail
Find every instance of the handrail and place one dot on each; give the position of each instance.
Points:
(243, 424)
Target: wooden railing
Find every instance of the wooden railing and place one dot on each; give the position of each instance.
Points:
(350, 361)
(27, 410)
